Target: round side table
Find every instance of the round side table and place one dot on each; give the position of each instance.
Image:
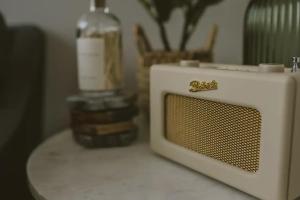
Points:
(60, 169)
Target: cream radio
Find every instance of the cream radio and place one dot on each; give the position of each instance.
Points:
(237, 124)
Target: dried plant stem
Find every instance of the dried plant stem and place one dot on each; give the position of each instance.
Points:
(187, 32)
(184, 37)
(113, 74)
(163, 33)
(113, 66)
(164, 37)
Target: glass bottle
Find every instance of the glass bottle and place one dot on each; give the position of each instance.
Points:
(99, 49)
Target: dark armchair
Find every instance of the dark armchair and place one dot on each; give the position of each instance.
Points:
(21, 104)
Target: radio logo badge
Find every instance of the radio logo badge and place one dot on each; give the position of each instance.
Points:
(198, 86)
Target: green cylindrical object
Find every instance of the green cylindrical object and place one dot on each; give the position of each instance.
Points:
(272, 31)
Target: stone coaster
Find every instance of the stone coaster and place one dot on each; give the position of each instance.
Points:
(104, 119)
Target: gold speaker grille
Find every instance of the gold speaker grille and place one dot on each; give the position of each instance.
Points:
(225, 132)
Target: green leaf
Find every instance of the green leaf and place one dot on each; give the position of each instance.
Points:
(161, 11)
(164, 9)
(149, 7)
(197, 8)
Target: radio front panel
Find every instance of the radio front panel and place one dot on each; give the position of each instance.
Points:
(233, 126)
(225, 132)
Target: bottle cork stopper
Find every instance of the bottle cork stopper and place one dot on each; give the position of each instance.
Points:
(100, 3)
(94, 4)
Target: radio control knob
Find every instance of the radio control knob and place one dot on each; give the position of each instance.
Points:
(278, 68)
(189, 63)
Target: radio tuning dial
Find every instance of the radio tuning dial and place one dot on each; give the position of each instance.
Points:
(189, 63)
(278, 68)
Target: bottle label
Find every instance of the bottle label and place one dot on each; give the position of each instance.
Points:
(91, 63)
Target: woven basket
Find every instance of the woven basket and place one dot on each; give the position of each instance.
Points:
(149, 57)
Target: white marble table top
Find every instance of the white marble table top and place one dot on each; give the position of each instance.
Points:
(59, 169)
